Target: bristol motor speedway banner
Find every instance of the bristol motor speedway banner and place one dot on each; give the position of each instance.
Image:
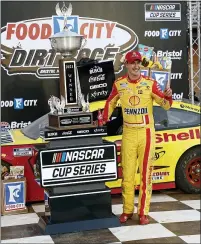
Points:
(29, 65)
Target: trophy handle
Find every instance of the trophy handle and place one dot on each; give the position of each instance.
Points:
(53, 42)
(84, 42)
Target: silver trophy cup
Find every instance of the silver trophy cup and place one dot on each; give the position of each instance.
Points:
(66, 42)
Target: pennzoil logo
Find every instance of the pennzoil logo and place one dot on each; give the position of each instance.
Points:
(26, 48)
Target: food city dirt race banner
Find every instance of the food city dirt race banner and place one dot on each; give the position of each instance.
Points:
(29, 72)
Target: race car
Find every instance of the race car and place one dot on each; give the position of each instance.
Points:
(177, 150)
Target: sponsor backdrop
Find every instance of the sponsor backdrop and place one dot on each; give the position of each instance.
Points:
(30, 67)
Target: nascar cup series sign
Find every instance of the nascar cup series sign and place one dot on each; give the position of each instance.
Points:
(78, 165)
(26, 49)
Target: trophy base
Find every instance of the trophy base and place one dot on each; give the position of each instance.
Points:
(71, 127)
(70, 120)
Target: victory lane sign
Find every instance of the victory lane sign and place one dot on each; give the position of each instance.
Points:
(78, 165)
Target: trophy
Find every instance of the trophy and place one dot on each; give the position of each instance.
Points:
(71, 109)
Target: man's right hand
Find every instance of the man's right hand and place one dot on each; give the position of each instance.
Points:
(104, 122)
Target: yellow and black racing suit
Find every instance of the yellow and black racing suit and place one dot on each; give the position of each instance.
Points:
(138, 139)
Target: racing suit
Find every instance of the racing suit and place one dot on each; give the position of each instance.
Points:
(138, 139)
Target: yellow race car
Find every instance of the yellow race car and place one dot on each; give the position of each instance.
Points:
(177, 154)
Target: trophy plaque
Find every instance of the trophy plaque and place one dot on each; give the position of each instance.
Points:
(70, 110)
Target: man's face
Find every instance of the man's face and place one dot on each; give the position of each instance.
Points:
(134, 68)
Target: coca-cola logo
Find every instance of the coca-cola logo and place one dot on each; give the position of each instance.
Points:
(100, 77)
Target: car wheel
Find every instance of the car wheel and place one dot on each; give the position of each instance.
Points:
(187, 175)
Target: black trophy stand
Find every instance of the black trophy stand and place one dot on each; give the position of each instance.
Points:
(81, 206)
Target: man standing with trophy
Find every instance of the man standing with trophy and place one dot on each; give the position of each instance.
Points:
(136, 94)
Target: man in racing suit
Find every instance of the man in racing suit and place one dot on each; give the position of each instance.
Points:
(136, 94)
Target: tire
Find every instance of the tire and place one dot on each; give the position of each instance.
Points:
(187, 174)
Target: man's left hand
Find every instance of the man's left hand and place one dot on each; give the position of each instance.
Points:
(168, 92)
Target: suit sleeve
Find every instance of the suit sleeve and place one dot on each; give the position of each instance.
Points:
(157, 94)
(110, 103)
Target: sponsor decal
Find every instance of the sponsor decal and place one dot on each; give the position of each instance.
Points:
(95, 70)
(65, 133)
(189, 107)
(83, 132)
(96, 94)
(162, 12)
(123, 85)
(135, 111)
(159, 175)
(173, 55)
(26, 49)
(159, 155)
(143, 83)
(182, 136)
(98, 86)
(75, 133)
(176, 76)
(100, 77)
(99, 130)
(178, 97)
(19, 103)
(100, 80)
(163, 33)
(14, 195)
(134, 100)
(70, 156)
(22, 152)
(78, 165)
(16, 125)
(50, 134)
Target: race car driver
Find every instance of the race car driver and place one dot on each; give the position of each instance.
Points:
(136, 94)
